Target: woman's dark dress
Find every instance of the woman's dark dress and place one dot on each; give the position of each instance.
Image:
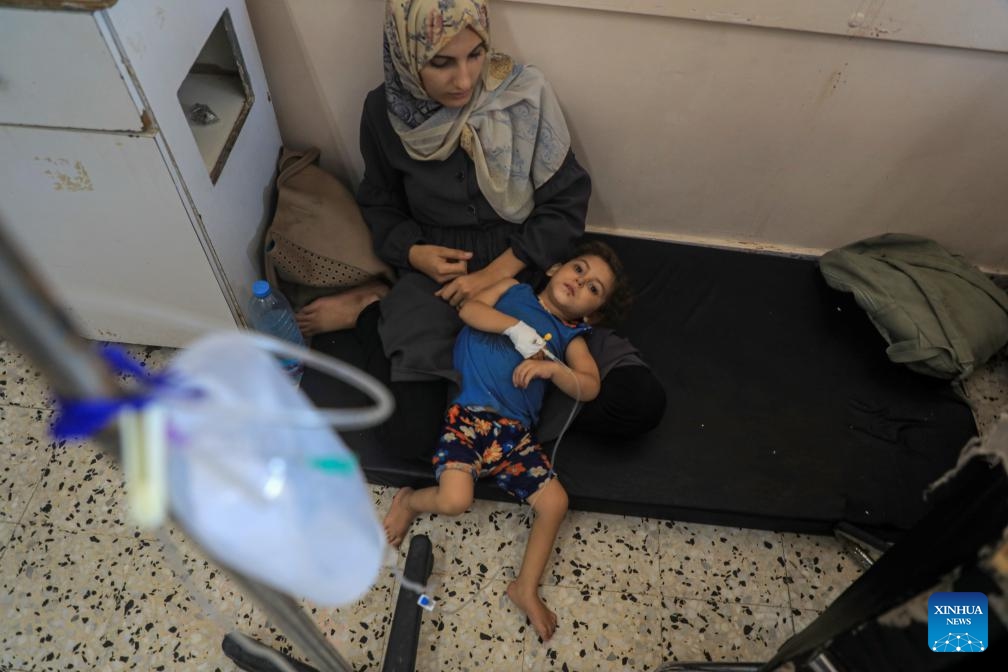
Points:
(407, 202)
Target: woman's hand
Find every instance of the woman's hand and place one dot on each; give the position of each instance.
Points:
(530, 369)
(464, 287)
(441, 264)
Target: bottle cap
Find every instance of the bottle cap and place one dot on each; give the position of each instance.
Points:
(260, 288)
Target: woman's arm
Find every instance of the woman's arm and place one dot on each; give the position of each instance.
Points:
(397, 238)
(479, 312)
(382, 198)
(579, 379)
(505, 266)
(557, 219)
(546, 237)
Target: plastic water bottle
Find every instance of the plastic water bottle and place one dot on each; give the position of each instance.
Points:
(271, 314)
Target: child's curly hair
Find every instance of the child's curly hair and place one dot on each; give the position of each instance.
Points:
(617, 305)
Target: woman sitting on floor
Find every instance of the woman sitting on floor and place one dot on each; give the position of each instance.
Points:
(469, 179)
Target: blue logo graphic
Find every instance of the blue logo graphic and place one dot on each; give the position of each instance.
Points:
(957, 622)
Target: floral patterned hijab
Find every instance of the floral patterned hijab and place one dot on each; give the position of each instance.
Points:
(512, 127)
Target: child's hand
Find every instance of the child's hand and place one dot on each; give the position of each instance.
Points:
(526, 340)
(530, 369)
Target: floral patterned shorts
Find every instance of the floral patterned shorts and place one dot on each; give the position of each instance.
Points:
(485, 444)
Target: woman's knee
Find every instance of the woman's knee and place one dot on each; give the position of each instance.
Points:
(413, 430)
(650, 399)
(630, 402)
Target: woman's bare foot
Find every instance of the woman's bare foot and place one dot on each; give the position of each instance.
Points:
(338, 311)
(399, 518)
(539, 615)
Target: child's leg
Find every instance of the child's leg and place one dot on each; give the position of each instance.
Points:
(550, 506)
(451, 496)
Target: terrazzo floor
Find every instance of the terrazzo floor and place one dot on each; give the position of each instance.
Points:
(84, 589)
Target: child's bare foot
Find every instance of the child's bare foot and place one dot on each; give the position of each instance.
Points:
(399, 517)
(338, 311)
(542, 619)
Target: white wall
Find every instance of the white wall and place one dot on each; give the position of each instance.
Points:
(772, 125)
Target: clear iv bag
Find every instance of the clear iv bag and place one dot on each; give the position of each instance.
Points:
(260, 480)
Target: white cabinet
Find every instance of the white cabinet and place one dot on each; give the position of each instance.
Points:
(144, 223)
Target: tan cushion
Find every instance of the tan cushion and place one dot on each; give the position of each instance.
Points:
(318, 242)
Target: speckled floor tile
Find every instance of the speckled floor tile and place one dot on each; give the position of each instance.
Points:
(203, 574)
(61, 591)
(20, 382)
(164, 618)
(597, 630)
(25, 454)
(819, 570)
(168, 621)
(488, 538)
(6, 536)
(596, 550)
(159, 618)
(469, 634)
(701, 631)
(82, 490)
(605, 552)
(987, 389)
(724, 564)
(381, 496)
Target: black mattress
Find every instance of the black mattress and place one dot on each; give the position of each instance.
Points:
(783, 411)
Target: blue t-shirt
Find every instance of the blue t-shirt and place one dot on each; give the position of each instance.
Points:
(487, 360)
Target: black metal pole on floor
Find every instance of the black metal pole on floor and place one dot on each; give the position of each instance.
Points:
(404, 636)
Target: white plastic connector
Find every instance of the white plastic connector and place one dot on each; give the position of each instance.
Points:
(144, 459)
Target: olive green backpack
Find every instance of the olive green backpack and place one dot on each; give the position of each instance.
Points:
(940, 315)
